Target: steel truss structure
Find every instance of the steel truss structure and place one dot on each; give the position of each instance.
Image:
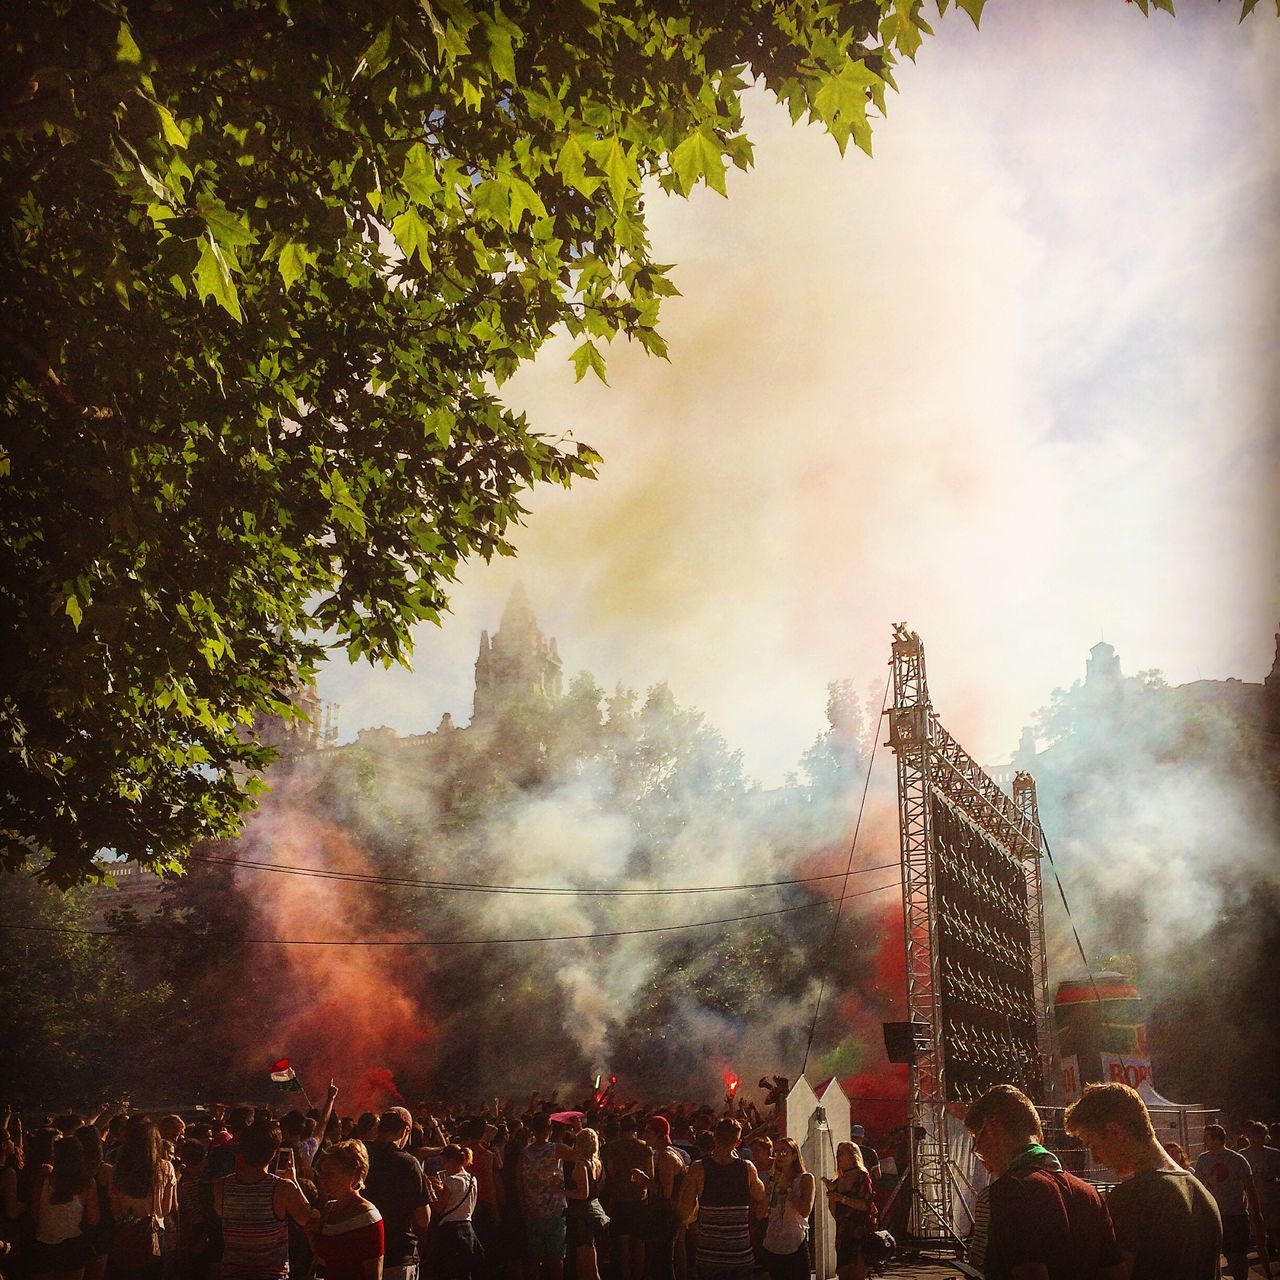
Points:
(973, 919)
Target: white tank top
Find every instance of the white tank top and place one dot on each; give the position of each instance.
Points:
(58, 1222)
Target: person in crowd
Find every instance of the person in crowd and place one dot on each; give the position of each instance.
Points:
(1229, 1179)
(1264, 1160)
(192, 1254)
(253, 1207)
(458, 1252)
(542, 1201)
(664, 1234)
(627, 1155)
(477, 1134)
(1043, 1223)
(95, 1159)
(510, 1145)
(395, 1184)
(1167, 1225)
(851, 1199)
(791, 1195)
(12, 1208)
(870, 1156)
(141, 1196)
(222, 1154)
(725, 1187)
(1177, 1153)
(586, 1222)
(349, 1237)
(64, 1204)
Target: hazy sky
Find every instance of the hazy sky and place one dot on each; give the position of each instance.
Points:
(1011, 381)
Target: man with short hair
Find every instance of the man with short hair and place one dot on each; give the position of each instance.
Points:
(1043, 1223)
(1229, 1180)
(542, 1198)
(725, 1188)
(398, 1190)
(1166, 1223)
(623, 1157)
(1264, 1160)
(669, 1166)
(870, 1156)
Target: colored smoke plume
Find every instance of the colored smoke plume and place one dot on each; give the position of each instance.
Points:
(335, 1009)
(374, 1090)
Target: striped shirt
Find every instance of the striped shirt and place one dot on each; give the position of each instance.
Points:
(255, 1241)
(724, 1215)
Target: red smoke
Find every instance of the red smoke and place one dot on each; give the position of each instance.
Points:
(335, 1009)
(878, 1098)
(374, 1091)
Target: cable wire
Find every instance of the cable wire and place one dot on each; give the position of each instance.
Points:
(452, 942)
(464, 886)
(1062, 893)
(853, 846)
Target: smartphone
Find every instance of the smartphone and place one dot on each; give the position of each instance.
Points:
(284, 1158)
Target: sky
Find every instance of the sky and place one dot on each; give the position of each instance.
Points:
(1012, 380)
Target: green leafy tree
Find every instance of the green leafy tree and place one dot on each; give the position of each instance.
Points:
(266, 262)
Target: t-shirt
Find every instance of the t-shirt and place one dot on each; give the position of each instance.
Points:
(542, 1181)
(1265, 1163)
(1049, 1217)
(621, 1157)
(1225, 1174)
(396, 1185)
(1169, 1223)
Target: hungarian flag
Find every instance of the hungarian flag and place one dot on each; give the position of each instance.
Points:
(285, 1076)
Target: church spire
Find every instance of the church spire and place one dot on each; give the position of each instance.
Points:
(517, 665)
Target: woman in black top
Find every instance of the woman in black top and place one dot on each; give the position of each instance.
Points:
(586, 1220)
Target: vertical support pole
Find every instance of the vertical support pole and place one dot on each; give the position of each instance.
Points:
(911, 736)
(1024, 796)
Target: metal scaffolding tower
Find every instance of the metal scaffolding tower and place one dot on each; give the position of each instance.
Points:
(936, 776)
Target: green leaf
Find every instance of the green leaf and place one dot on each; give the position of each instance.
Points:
(502, 56)
(841, 104)
(127, 51)
(524, 199)
(588, 357)
(611, 158)
(173, 132)
(973, 8)
(375, 56)
(213, 278)
(412, 235)
(74, 612)
(229, 229)
(418, 177)
(294, 259)
(699, 156)
(570, 165)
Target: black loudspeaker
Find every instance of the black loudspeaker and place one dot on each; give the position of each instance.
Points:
(903, 1041)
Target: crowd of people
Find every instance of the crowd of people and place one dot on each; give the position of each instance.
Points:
(484, 1193)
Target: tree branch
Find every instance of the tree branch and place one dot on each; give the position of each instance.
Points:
(43, 375)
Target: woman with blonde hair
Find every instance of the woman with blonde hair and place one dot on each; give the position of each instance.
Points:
(785, 1251)
(852, 1204)
(349, 1238)
(586, 1220)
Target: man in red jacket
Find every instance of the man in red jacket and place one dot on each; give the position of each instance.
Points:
(1043, 1223)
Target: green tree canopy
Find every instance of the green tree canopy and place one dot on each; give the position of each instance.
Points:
(267, 262)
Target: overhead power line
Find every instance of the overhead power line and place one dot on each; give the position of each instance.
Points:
(853, 847)
(464, 886)
(143, 936)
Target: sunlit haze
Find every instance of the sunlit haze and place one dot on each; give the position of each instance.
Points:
(1012, 380)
